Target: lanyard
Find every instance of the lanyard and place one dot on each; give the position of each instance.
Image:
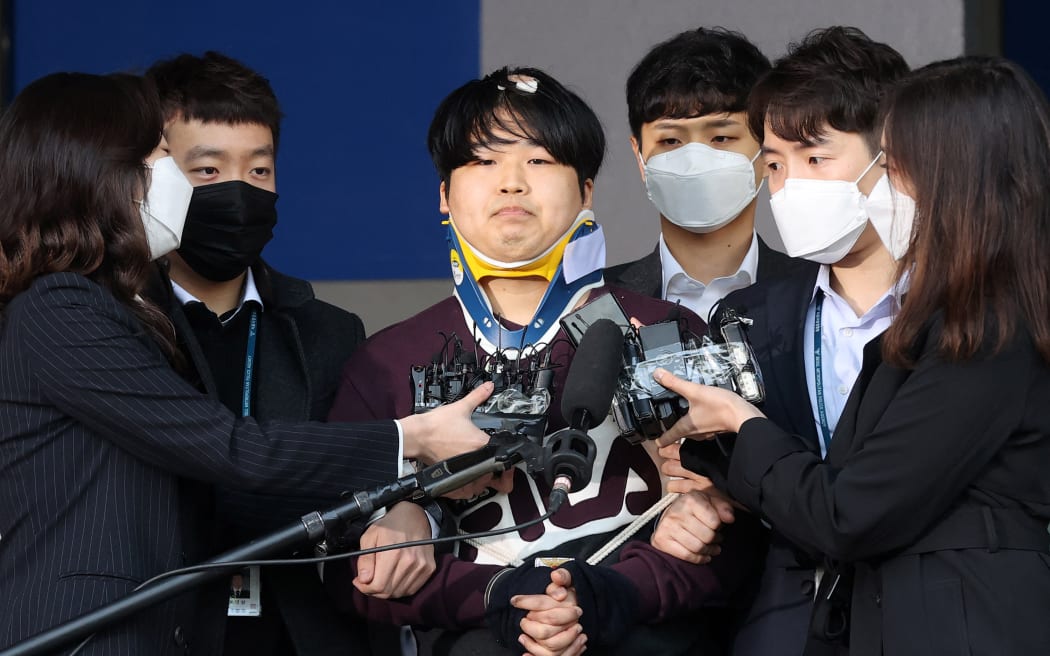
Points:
(249, 364)
(818, 374)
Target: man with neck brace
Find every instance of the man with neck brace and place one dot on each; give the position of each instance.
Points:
(517, 154)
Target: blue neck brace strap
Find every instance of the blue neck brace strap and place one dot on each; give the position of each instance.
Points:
(559, 298)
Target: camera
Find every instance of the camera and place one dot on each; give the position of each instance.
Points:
(515, 413)
(642, 408)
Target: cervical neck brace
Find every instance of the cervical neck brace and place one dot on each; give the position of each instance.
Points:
(544, 265)
(572, 265)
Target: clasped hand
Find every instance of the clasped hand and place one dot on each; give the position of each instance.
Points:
(551, 626)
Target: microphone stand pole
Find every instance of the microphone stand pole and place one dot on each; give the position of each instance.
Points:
(435, 480)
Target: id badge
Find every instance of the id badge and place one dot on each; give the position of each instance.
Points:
(244, 593)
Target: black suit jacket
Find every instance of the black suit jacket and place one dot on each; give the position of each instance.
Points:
(934, 490)
(777, 302)
(778, 619)
(302, 345)
(104, 451)
(645, 276)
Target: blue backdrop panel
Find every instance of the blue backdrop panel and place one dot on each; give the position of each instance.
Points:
(358, 83)
(1024, 38)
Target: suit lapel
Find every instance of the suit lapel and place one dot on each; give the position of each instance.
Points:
(283, 389)
(876, 386)
(788, 303)
(645, 276)
(846, 429)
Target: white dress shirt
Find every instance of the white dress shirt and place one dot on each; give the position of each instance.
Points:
(842, 337)
(249, 293)
(678, 286)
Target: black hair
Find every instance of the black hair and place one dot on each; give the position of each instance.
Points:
(835, 77)
(527, 103)
(214, 88)
(702, 71)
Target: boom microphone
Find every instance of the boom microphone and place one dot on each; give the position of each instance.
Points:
(589, 388)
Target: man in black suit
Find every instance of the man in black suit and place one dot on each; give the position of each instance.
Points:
(686, 104)
(815, 113)
(687, 108)
(238, 589)
(222, 125)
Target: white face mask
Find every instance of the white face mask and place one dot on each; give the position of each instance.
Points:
(892, 212)
(700, 188)
(820, 220)
(164, 210)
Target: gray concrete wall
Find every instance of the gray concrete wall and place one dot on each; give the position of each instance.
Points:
(380, 303)
(591, 45)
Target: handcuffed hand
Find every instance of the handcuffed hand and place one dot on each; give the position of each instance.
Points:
(552, 626)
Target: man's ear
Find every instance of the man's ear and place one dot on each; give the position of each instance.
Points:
(443, 201)
(588, 193)
(636, 150)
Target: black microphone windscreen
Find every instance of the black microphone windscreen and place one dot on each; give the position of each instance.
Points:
(593, 374)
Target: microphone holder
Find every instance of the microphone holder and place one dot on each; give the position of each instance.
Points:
(433, 481)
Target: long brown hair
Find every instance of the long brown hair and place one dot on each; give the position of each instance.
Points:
(971, 137)
(72, 152)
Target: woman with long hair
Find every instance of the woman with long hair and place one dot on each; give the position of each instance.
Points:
(106, 455)
(931, 508)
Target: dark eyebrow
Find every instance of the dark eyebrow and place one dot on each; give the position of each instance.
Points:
(817, 140)
(198, 152)
(496, 146)
(668, 124)
(723, 123)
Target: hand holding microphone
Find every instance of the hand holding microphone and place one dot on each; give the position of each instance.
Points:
(567, 456)
(446, 431)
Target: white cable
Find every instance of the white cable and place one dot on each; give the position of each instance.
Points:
(632, 528)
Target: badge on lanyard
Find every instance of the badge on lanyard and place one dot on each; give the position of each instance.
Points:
(245, 585)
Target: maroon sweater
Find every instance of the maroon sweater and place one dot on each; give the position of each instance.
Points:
(376, 384)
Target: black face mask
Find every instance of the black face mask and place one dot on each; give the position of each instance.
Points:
(227, 226)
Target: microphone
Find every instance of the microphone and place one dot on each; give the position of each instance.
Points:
(589, 388)
(566, 457)
(593, 374)
(440, 478)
